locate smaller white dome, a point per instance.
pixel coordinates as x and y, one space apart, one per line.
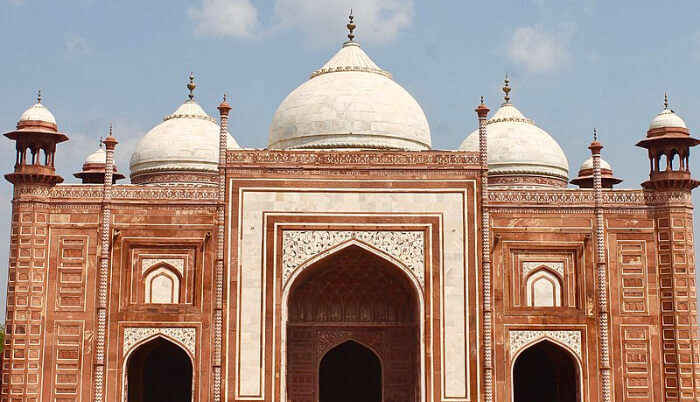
517 147
99 156
38 112
187 140
588 164
667 118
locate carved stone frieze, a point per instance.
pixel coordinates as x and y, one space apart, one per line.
298 246
555 266
368 158
185 336
521 338
565 197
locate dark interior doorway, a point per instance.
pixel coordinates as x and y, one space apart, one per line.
545 372
350 372
159 371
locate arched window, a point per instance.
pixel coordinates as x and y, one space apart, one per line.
543 289
162 286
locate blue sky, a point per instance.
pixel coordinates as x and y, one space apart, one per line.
574 65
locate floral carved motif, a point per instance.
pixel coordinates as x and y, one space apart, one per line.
185 336
298 246
519 339
531 265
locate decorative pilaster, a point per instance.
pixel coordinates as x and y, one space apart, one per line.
103 274
224 109
602 275
482 111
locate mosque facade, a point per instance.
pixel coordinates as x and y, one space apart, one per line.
348 260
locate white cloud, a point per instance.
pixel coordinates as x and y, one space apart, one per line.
378 21
540 50
237 18
76 46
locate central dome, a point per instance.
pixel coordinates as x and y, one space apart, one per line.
350 103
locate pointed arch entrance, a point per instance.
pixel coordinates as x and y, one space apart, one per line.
350 372
159 371
546 372
353 300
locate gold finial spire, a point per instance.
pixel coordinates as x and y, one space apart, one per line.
191 86
351 27
506 89
665 101
595 134
38 97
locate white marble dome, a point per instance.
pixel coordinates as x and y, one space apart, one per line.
588 164
38 112
350 103
187 140
667 118
99 156
516 146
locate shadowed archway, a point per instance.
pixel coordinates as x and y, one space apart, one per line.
350 372
546 372
159 371
353 300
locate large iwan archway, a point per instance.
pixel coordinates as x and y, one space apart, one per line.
546 372
159 371
355 305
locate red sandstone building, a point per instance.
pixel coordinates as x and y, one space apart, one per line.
349 260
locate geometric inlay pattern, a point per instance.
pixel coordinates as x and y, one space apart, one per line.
298 246
555 266
519 339
186 336
178 263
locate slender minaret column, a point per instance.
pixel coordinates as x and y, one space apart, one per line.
482 111
103 274
602 274
224 109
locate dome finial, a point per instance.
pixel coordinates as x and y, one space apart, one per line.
191 86
101 142
38 97
665 101
595 134
482 100
506 89
351 27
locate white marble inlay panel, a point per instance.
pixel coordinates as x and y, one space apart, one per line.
299 246
177 263
186 336
555 266
519 339
450 203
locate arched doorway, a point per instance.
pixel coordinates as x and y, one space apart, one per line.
159 371
353 295
350 372
545 372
